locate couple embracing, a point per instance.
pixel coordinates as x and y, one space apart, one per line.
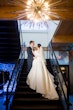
39 78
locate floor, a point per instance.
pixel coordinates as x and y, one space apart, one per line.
2 99
2 102
71 101
6 67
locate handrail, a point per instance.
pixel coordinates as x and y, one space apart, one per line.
59 67
66 84
10 79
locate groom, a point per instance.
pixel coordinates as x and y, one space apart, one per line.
30 55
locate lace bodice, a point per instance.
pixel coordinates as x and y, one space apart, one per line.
36 53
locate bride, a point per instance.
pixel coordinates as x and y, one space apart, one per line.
39 78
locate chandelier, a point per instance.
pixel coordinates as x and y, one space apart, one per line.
37 10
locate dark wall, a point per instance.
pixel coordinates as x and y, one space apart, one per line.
9 41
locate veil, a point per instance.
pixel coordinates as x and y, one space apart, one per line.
42 55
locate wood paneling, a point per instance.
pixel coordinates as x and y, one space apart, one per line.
64 34
63 39
64 9
8 13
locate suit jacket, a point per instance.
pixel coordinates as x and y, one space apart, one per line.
30 58
30 54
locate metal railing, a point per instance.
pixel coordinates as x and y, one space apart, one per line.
62 84
13 79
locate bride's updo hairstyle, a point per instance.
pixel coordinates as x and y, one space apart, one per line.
39 45
34 48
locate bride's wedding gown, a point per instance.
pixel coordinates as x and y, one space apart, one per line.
40 79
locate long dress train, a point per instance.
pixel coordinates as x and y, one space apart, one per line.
40 79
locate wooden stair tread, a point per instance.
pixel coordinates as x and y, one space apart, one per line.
28 99
35 99
28 93
43 107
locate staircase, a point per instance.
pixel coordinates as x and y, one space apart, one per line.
9 41
27 99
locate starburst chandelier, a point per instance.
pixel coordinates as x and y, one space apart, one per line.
37 10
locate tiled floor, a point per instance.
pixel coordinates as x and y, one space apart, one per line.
71 101
2 99
6 67
2 102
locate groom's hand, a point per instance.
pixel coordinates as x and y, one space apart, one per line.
34 57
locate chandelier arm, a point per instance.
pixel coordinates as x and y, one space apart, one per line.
54 15
57 3
34 1
16 3
20 16
58 9
20 11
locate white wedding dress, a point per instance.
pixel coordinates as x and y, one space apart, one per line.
40 79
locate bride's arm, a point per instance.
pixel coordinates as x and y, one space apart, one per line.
34 53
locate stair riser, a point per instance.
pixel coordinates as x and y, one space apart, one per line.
37 103
27 96
22 84
36 108
24 75
9 41
24 89
28 99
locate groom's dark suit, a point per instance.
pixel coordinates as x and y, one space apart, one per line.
30 58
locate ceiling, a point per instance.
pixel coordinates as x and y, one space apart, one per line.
8 8
63 37
64 33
